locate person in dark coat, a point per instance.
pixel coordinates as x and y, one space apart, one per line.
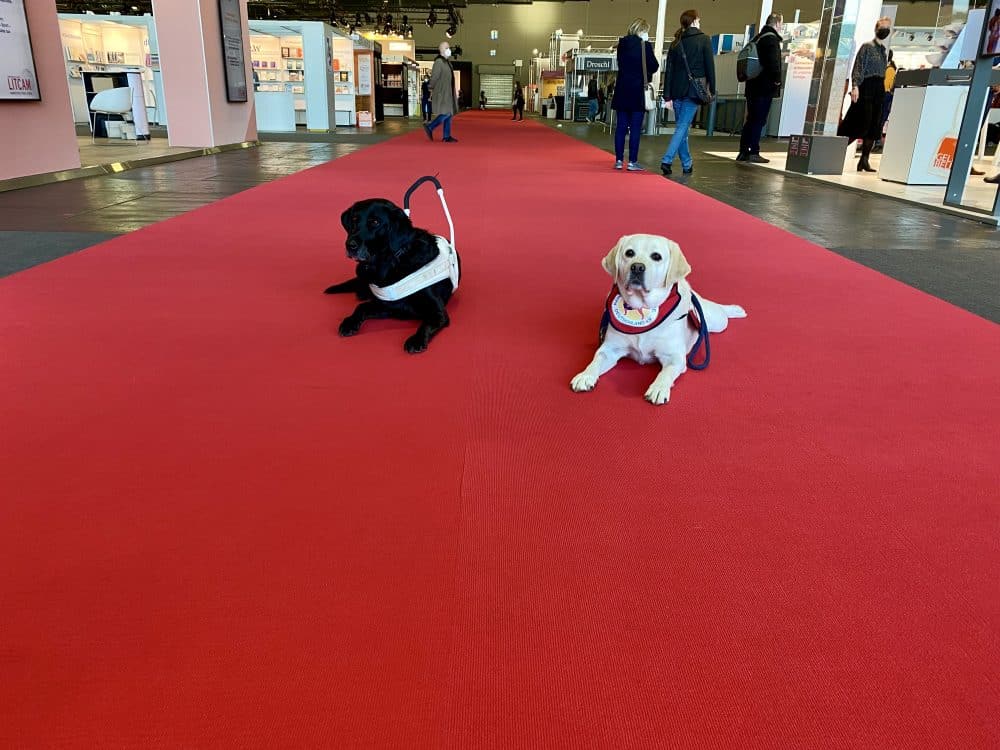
864 118
425 98
517 104
762 90
629 99
690 43
593 105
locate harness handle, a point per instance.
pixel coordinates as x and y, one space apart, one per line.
417 184
444 204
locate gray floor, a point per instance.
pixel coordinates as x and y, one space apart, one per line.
955 259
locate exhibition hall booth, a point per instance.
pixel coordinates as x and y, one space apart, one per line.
939 134
84 93
307 74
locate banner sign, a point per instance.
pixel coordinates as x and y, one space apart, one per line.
233 58
599 64
18 79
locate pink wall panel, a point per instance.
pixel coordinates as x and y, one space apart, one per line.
43 132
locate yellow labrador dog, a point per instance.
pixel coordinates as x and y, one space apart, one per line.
650 315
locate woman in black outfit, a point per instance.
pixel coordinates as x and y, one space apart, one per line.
629 101
864 118
518 104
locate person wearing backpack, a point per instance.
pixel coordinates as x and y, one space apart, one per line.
762 88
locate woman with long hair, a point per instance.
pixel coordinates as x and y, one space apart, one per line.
629 100
690 57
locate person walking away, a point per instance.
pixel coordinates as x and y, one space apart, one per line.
443 96
762 90
690 43
425 98
593 105
602 100
517 105
629 100
482 100
864 118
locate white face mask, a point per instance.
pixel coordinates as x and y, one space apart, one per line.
447 53
644 36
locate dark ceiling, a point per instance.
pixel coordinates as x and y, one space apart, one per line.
299 10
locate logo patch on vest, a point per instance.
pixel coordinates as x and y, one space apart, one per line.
631 320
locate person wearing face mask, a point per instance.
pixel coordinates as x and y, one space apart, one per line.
864 118
762 90
690 57
636 66
443 97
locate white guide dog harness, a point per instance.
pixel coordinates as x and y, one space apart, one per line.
444 266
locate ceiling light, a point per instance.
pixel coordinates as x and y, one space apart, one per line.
452 30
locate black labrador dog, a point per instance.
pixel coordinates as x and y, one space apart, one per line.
387 248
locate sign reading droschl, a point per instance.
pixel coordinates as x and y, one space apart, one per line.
18 79
598 64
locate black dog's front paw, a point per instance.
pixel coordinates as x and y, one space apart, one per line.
349 326
416 344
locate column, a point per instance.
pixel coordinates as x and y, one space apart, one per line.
193 66
40 135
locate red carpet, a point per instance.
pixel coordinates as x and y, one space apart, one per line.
223 526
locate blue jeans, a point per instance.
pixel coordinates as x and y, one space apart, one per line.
446 119
592 106
685 110
630 122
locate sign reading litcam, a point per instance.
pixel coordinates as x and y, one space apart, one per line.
232 50
18 79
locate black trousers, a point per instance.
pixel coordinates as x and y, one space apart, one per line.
518 110
758 108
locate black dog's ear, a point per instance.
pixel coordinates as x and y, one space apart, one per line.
400 229
345 218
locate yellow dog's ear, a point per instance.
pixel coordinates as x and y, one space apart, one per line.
610 261
679 267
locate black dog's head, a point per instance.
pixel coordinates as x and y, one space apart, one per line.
375 227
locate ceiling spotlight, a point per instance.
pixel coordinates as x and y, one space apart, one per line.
432 18
457 51
452 30
535 52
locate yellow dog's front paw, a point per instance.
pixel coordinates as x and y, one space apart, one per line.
583 382
657 394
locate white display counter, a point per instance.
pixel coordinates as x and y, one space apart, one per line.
922 135
275 111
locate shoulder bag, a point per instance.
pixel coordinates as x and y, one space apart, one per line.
700 84
649 100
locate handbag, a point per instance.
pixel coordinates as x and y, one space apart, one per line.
649 100
700 84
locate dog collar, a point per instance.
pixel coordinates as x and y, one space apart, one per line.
444 266
632 320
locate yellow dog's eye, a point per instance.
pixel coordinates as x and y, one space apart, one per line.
630 253
656 257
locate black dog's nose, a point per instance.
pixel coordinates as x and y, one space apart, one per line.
352 244
637 268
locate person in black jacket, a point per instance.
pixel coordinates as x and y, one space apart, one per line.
629 100
592 103
690 43
762 90
517 104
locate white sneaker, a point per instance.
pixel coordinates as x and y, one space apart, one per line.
633 166
618 165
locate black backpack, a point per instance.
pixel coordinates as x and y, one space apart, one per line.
748 64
